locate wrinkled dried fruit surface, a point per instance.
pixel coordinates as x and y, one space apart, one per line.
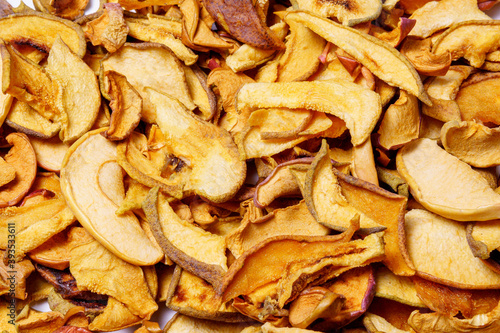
255 166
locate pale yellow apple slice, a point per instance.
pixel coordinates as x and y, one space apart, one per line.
439 251
359 107
472 143
445 185
81 96
397 288
95 206
383 60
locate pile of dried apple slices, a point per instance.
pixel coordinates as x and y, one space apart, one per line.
256 166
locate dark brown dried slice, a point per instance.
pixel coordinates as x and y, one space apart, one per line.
242 20
65 284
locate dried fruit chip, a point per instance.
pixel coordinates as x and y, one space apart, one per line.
81 97
435 16
22 158
360 111
383 61
397 288
109 29
455 265
417 158
349 13
126 104
92 183
49 153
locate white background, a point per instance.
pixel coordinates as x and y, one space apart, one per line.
163 315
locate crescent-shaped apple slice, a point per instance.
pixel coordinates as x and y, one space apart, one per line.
91 184
383 60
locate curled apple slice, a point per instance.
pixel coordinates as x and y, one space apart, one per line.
379 57
91 181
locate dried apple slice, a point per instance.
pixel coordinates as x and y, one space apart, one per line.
455 266
313 303
126 104
292 220
88 165
301 57
435 16
181 323
348 13
383 60
461 40
242 20
164 73
23 159
360 111
376 324
476 98
41 30
483 237
192 296
70 10
201 94
418 52
171 232
436 322
49 153
53 253
217 173
247 57
400 123
397 288
23 118
442 91
7 172
470 199
98 270
109 29
472 143
81 96
453 301
163 30
30 83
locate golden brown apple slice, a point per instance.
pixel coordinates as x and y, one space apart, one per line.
164 73
92 184
301 57
443 90
179 238
23 118
23 159
400 123
292 220
126 104
470 199
360 110
349 13
41 30
383 60
461 40
216 173
70 10
453 301
242 20
7 172
418 52
98 270
192 296
200 92
81 97
436 16
109 29
472 143
476 98
456 266
30 83
483 237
